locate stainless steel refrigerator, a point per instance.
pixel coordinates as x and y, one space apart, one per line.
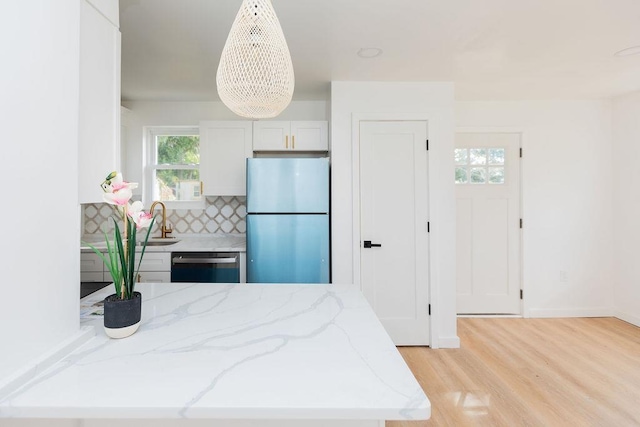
288 220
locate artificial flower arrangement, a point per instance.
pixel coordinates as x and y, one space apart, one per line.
120 257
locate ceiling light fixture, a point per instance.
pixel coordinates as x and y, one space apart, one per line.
369 52
628 51
255 76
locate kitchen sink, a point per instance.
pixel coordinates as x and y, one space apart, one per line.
159 242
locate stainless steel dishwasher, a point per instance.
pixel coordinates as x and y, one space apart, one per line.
206 267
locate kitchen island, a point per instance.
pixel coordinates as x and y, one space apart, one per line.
235 355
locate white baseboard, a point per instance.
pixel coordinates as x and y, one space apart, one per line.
449 342
629 318
492 316
572 312
35 367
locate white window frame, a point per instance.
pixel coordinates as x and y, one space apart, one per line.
151 164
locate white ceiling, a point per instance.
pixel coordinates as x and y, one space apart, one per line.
491 49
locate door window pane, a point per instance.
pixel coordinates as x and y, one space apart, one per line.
478 175
461 175
496 175
461 156
496 156
478 156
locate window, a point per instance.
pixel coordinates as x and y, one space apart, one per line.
479 165
173 167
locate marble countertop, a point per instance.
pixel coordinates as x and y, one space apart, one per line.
233 352
217 242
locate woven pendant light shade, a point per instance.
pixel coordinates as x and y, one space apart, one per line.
255 75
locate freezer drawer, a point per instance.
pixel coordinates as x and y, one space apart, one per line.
293 185
287 248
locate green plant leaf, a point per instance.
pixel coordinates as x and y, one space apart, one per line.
132 257
123 260
114 267
144 246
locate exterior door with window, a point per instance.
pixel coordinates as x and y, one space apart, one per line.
487 176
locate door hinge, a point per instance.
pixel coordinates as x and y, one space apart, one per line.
427 145
429 309
428 227
520 151
521 293
520 222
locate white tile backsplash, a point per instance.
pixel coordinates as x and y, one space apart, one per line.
224 214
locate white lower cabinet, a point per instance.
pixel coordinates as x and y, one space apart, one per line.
92 276
155 267
156 261
154 276
91 268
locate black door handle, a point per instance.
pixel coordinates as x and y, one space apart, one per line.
368 244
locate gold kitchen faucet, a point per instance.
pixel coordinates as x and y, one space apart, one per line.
164 230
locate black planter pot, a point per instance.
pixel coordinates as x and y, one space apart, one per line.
122 317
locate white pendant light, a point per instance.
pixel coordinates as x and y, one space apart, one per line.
255 75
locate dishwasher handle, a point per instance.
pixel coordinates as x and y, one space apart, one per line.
182 260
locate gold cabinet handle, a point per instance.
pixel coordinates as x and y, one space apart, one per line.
201 188
286 141
293 142
139 278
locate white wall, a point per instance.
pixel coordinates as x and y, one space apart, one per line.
434 101
567 203
144 113
40 216
626 202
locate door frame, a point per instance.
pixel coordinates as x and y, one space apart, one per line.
524 306
430 119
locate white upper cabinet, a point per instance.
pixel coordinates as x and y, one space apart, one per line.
99 114
309 136
290 136
224 148
125 131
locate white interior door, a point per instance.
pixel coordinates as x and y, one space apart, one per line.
488 223
394 214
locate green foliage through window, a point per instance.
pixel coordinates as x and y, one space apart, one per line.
178 150
178 183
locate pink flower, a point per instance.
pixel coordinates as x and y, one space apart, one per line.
119 198
117 191
140 218
114 182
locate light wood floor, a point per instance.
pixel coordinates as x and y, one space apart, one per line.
532 372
